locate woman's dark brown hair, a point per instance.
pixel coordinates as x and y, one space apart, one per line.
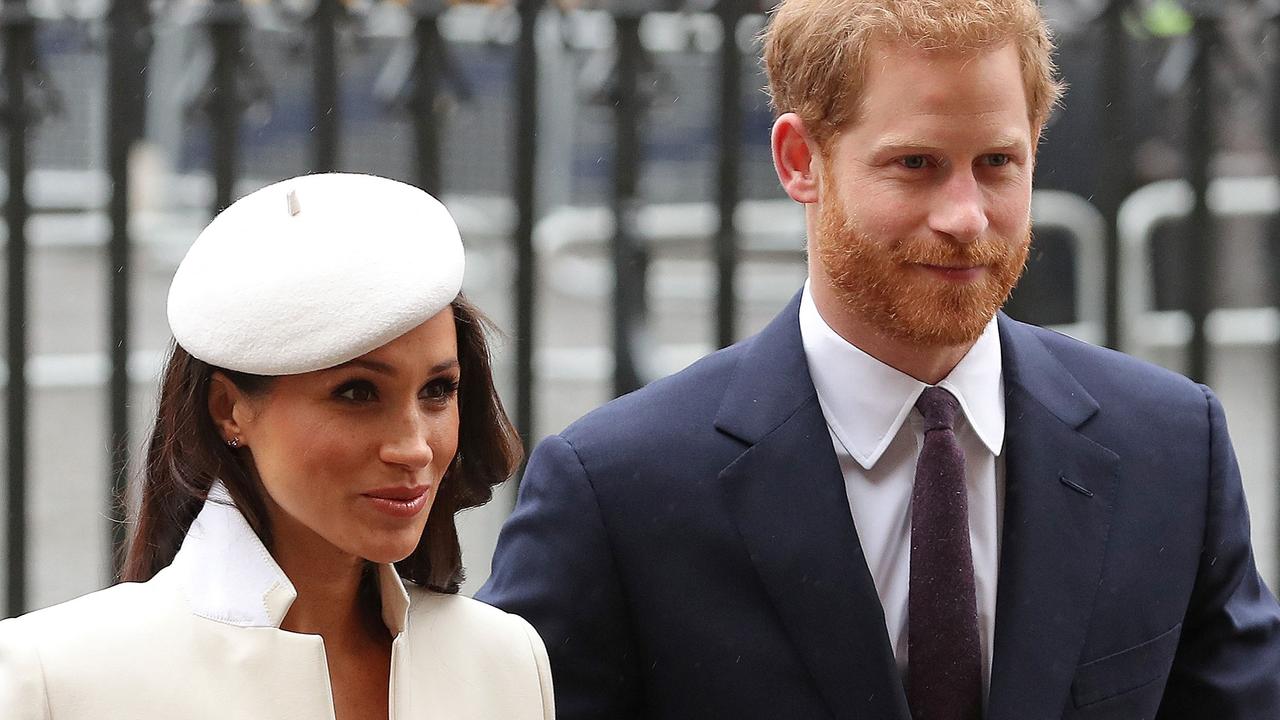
186 454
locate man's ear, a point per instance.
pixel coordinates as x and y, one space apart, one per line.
795 158
227 407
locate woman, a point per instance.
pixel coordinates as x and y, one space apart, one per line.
327 408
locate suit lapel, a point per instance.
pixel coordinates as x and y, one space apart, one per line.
786 496
1060 492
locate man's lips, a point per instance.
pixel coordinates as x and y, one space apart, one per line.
955 273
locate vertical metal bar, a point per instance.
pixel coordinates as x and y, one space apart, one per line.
628 257
1116 171
526 146
226 20
1200 267
728 192
1274 255
17 28
325 95
426 79
127 52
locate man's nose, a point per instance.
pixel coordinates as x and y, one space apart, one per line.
408 440
959 211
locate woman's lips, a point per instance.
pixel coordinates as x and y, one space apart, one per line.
401 502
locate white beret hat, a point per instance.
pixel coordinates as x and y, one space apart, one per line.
311 272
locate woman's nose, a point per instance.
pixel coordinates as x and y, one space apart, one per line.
407 442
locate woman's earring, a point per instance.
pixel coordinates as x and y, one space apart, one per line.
233 443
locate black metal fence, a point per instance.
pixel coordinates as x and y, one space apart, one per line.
1091 149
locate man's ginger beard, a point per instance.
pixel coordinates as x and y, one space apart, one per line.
873 280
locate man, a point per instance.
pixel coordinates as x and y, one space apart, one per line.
892 503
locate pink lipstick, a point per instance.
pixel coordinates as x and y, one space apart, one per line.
402 502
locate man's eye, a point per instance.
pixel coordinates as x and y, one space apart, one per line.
359 391
998 160
915 162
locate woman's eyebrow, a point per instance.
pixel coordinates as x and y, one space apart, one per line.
388 369
374 365
449 364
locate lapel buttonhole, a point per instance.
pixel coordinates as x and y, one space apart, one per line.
1062 478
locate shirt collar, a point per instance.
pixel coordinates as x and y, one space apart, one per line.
231 578
866 401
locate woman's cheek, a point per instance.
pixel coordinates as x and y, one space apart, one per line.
331 442
448 433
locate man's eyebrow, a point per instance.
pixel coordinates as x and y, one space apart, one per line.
1009 141
909 145
895 142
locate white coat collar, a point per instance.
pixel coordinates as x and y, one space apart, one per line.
231 578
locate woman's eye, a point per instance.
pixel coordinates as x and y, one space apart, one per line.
440 389
914 162
359 391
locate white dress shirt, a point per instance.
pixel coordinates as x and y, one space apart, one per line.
876 431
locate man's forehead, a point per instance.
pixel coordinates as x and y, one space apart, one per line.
984 88
888 50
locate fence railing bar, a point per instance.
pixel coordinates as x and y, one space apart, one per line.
1115 181
728 190
17 30
226 22
86 370
1164 201
324 87
1200 265
1273 254
629 258
526 160
128 26
428 54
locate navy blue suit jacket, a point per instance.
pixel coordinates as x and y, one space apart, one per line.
687 551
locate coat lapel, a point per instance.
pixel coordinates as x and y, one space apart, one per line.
786 496
1060 492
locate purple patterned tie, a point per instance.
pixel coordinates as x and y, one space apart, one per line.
944 657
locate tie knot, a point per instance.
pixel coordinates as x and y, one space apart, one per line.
939 407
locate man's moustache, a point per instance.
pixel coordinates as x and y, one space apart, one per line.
975 254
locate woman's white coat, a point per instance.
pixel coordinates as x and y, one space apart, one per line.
202 640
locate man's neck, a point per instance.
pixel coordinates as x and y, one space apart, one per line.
926 364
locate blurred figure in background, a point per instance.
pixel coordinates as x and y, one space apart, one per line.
326 411
895 502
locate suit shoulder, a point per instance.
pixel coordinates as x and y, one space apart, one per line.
1115 375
